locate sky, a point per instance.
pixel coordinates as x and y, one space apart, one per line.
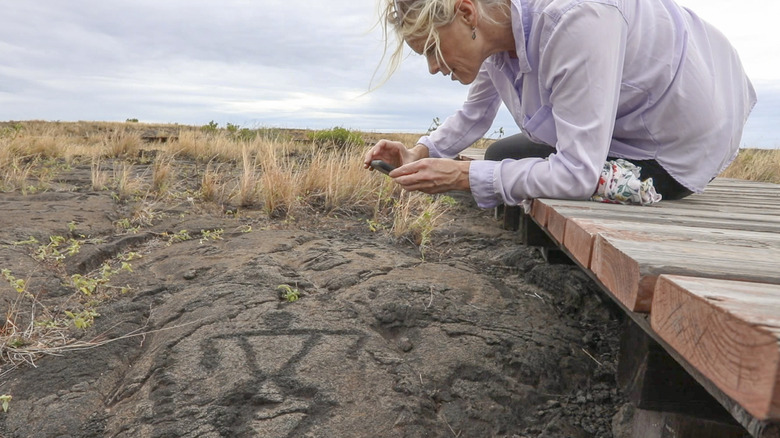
273 63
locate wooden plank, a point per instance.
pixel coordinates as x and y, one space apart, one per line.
702 217
629 268
579 238
683 207
540 212
580 235
743 183
729 331
556 225
472 153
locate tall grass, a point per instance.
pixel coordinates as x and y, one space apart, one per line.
755 165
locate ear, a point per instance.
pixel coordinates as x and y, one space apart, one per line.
467 11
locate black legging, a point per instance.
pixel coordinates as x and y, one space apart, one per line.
519 146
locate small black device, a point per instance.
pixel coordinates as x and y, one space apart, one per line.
382 166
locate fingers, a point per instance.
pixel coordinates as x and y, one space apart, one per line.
433 175
385 150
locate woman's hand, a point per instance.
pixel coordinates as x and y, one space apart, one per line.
394 153
433 175
415 171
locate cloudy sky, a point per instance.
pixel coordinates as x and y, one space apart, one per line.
271 63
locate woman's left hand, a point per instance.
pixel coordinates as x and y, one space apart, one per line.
433 175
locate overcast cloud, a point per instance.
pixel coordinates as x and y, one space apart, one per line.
270 63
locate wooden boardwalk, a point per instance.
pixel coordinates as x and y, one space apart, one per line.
700 275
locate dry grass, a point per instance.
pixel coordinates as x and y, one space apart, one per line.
279 173
755 165
163 174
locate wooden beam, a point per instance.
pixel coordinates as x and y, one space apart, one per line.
556 225
629 265
655 381
652 424
729 331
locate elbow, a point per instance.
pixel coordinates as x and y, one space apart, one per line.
582 186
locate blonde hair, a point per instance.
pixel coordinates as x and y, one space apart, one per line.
417 19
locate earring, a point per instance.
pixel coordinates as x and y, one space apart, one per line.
473 32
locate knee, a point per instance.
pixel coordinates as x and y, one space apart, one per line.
517 147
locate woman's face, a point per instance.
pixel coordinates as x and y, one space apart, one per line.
461 54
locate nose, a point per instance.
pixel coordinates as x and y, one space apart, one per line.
433 65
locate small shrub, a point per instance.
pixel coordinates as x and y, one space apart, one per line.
210 127
337 136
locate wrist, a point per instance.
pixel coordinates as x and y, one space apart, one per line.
464 183
420 151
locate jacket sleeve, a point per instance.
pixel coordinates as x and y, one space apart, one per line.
469 124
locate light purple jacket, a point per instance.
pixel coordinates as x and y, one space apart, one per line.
637 79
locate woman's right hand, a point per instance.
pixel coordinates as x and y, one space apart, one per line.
394 153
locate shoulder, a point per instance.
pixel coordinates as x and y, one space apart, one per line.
555 10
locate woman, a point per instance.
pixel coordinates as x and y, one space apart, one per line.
586 80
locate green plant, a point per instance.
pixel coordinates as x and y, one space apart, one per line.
83 319
434 125
246 134
17 283
5 399
131 120
231 128
51 251
85 284
289 293
338 136
210 128
447 201
498 132
374 226
181 236
11 131
206 235
31 241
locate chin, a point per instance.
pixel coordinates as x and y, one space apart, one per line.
465 81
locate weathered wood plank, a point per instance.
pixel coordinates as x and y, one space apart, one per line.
630 268
579 238
729 331
556 225
472 153
677 215
580 235
540 212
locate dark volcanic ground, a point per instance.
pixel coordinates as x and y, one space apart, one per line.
482 338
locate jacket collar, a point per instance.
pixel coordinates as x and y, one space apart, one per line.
521 27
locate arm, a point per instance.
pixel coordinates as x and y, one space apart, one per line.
468 124
581 65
